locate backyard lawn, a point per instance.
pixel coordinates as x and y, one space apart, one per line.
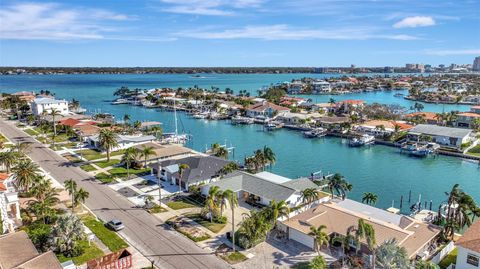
90 252
108 237
212 226
104 164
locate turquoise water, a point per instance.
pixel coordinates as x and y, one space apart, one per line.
378 169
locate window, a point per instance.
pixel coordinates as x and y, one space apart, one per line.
473 259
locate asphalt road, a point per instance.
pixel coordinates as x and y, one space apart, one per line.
153 239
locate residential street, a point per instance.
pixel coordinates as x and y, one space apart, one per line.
156 241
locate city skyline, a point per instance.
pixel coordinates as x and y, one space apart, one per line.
238 33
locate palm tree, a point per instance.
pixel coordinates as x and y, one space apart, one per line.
233 201
391 256
145 152
26 173
129 156
269 155
54 112
181 169
309 195
148 200
366 231
21 147
426 265
338 184
278 210
321 237
259 159
65 234
229 168
221 152
126 119
80 196
211 201
45 199
8 159
369 198
71 186
108 141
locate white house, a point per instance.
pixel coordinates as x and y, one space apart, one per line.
264 109
9 204
124 141
446 136
39 105
468 246
295 87
321 87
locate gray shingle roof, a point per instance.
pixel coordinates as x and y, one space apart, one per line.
201 167
440 131
300 184
255 185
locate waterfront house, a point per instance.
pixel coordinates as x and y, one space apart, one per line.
296 87
291 118
264 109
25 96
340 216
468 256
39 105
346 106
262 188
333 123
475 109
17 251
86 130
291 101
429 117
321 86
381 128
163 152
201 170
10 218
124 141
466 119
445 136
472 99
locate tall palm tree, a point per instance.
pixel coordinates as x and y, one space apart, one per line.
338 184
369 198
233 202
391 256
129 156
71 186
321 237
145 152
54 112
229 168
269 155
259 159
367 232
26 173
81 196
309 195
107 140
43 205
181 169
8 159
21 147
211 201
126 119
278 210
221 152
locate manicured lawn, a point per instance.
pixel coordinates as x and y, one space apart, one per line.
91 154
30 132
71 158
451 258
212 226
122 171
156 209
104 164
108 237
104 178
234 257
91 252
176 205
475 151
88 167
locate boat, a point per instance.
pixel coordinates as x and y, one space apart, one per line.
272 125
314 133
420 150
200 115
241 120
121 101
363 140
398 95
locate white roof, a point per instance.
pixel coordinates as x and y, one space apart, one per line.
272 177
45 100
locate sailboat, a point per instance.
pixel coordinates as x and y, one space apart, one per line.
176 138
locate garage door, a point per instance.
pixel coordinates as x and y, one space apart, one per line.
301 238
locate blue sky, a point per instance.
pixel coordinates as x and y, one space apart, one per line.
238 32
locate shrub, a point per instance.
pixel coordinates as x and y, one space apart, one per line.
220 219
39 234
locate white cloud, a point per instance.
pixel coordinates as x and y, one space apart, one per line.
49 21
208 7
453 52
285 32
415 21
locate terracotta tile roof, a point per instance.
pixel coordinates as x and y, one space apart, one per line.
387 124
469 114
107 260
426 115
4 176
69 122
2 187
351 102
263 106
471 238
87 129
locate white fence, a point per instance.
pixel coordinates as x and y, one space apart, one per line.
444 252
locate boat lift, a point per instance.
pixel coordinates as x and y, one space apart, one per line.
231 149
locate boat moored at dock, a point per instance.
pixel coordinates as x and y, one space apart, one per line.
363 140
314 133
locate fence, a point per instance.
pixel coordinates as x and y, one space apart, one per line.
444 252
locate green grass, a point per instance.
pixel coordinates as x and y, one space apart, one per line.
31 132
104 178
301 265
234 257
475 151
3 138
72 158
194 239
104 164
451 258
91 252
91 154
176 205
157 209
122 171
212 226
88 167
108 237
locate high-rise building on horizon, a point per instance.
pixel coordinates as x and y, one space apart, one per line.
476 64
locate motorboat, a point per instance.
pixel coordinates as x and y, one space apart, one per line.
363 140
314 133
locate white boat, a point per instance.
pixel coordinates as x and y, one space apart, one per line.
314 133
121 101
241 120
200 115
272 125
361 141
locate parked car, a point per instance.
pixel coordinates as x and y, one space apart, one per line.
115 225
